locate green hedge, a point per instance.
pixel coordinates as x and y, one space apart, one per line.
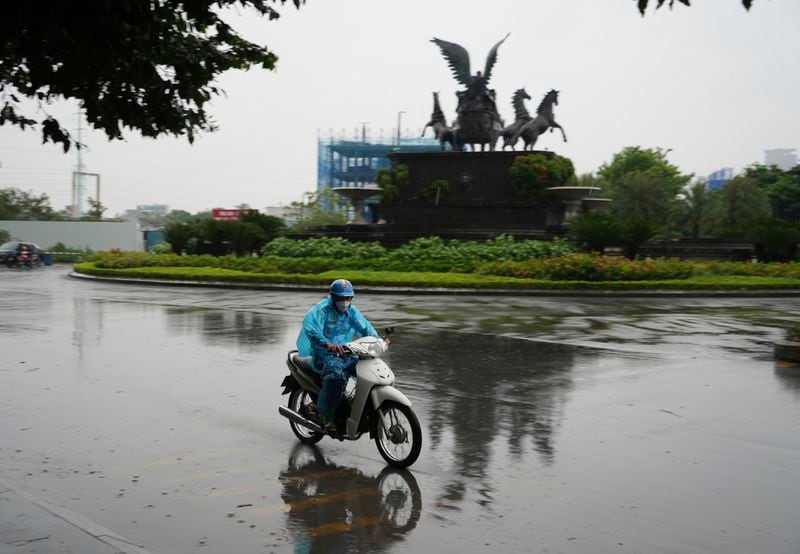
773 269
439 280
572 267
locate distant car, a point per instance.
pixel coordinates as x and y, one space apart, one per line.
22 254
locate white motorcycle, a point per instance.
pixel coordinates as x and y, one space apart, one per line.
370 404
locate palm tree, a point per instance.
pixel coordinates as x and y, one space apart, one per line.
694 207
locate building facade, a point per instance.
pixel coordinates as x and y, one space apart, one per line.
784 158
718 179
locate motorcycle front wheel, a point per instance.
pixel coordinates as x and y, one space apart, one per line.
299 400
399 443
400 499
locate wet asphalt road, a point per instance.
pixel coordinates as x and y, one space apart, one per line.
550 424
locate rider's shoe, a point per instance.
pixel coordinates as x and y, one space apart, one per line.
309 411
329 424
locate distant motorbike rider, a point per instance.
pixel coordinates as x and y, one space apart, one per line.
327 326
23 255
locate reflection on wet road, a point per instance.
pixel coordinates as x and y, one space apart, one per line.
333 508
550 424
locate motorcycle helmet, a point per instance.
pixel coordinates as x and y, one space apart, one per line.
342 287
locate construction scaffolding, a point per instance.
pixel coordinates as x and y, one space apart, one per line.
343 162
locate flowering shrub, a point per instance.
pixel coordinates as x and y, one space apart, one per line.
123 260
498 258
592 267
772 269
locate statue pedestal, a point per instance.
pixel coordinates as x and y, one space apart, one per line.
479 191
478 202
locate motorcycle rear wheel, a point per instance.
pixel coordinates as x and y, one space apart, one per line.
402 445
298 400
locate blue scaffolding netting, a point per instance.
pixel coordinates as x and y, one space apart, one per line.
355 163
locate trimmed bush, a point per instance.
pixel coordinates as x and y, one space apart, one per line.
532 174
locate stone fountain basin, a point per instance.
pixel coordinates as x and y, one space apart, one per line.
572 194
357 194
594 202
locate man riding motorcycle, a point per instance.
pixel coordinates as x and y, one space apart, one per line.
327 326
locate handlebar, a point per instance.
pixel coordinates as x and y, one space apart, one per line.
344 349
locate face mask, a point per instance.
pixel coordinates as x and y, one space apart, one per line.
342 305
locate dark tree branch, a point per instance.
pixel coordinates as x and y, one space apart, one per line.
145 66
642 4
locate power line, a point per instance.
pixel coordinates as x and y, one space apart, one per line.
27 168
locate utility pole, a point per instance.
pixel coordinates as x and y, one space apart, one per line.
364 131
77 175
399 123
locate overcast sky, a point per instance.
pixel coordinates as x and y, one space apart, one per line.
714 83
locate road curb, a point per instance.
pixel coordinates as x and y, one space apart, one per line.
40 519
372 289
787 351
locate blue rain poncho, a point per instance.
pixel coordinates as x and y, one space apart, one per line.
323 323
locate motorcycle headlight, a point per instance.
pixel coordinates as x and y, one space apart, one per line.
370 347
375 349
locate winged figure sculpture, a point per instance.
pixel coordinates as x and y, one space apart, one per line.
458 59
478 119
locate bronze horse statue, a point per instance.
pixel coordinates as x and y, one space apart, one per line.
478 122
521 117
443 133
543 121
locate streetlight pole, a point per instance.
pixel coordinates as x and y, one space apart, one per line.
399 123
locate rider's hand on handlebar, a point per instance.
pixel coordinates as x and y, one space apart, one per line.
335 348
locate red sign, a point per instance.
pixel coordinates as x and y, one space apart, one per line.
221 213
